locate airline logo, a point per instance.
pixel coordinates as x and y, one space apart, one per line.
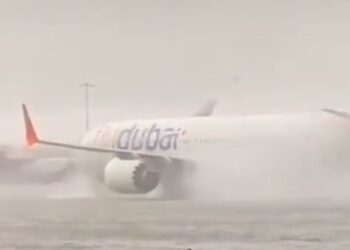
150 138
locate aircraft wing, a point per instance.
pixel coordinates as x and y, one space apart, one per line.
334 112
32 139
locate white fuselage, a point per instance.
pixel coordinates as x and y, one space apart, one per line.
185 137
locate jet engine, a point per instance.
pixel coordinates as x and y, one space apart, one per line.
130 176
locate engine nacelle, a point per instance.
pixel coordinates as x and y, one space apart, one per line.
130 176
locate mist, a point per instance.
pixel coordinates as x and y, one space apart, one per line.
309 164
165 58
286 187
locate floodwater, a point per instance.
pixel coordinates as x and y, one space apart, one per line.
154 224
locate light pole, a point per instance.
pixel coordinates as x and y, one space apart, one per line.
86 87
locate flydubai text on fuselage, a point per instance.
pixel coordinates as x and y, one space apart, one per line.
138 137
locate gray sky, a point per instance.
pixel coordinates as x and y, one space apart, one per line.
164 58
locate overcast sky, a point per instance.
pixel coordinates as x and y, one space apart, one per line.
164 58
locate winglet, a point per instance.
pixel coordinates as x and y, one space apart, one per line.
206 109
31 136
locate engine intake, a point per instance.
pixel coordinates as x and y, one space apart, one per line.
130 176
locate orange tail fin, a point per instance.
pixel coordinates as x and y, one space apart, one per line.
31 136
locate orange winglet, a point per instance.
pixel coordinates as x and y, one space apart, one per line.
31 136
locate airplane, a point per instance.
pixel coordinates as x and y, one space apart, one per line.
137 156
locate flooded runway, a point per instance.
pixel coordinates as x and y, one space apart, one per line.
151 224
